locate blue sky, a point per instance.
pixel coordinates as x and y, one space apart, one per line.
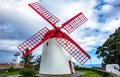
18 22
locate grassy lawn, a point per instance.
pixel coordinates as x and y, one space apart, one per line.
90 74
13 73
10 73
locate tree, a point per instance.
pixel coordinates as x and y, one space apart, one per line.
27 60
37 61
29 70
110 50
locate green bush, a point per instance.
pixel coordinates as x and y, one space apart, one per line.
27 72
11 69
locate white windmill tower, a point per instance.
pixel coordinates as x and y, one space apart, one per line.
58 48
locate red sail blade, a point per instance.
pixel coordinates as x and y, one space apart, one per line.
48 16
34 41
73 49
74 22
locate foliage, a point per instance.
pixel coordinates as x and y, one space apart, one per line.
27 72
11 69
110 50
9 73
76 66
37 61
28 59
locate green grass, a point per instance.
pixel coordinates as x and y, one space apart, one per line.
10 73
90 74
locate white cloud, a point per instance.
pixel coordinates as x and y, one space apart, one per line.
110 26
107 8
112 1
20 14
9 45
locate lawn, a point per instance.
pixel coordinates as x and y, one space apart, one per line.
90 74
10 73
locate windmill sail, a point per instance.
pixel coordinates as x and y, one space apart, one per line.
73 49
48 16
74 22
34 41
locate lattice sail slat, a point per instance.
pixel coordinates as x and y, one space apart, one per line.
73 50
48 16
74 22
33 41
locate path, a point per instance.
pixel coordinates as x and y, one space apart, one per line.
2 76
78 73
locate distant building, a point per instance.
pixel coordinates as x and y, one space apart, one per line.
16 59
113 68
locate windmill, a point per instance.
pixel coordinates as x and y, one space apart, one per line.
58 46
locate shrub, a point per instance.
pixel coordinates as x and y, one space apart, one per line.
11 69
27 72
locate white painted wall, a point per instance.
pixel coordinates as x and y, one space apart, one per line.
16 59
114 68
55 60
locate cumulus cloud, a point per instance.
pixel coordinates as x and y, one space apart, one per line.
107 8
20 15
9 45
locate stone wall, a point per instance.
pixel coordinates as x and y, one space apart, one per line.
4 66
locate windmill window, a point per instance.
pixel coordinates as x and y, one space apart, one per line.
47 44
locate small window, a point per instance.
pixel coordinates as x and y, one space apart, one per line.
47 44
